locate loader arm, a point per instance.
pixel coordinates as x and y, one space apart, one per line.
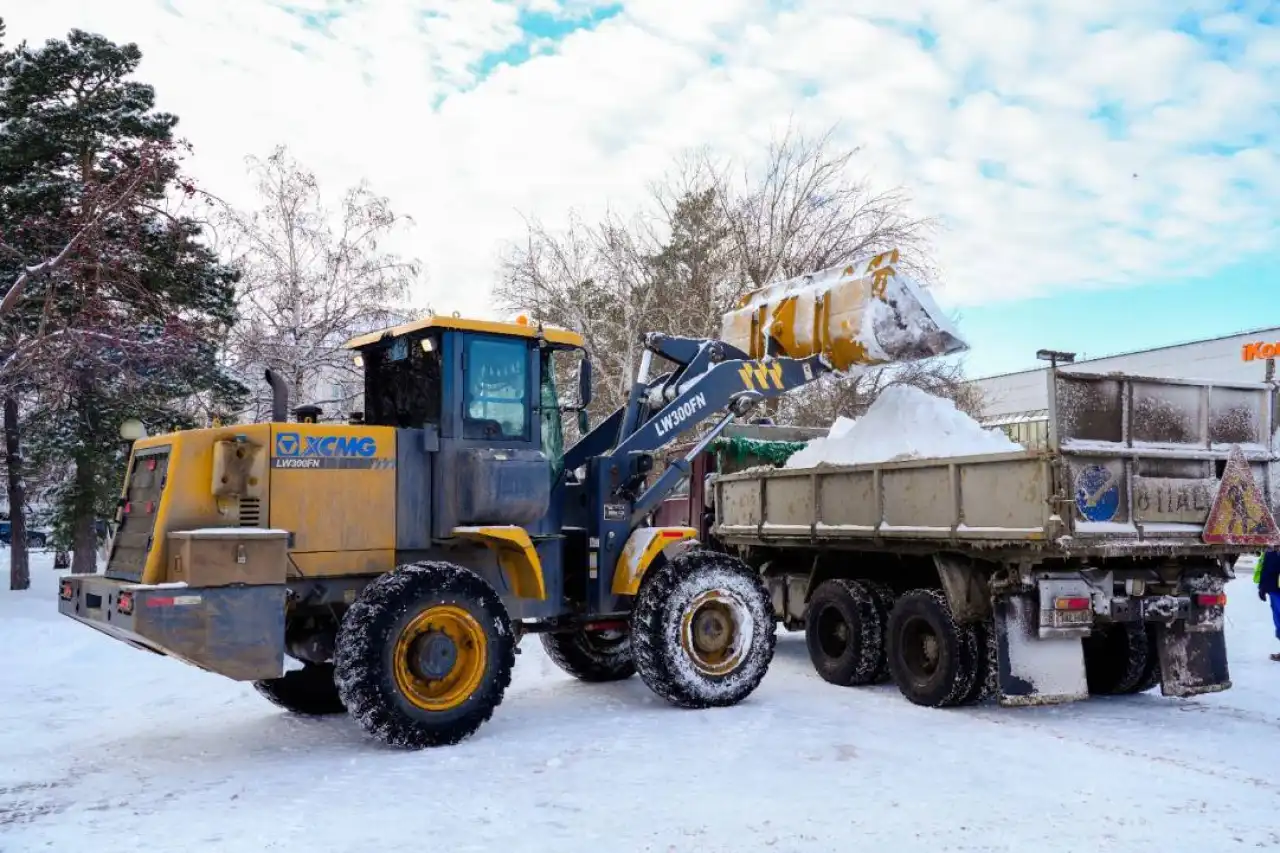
780 338
717 381
728 389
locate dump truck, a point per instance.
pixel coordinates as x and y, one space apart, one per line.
389 565
1092 565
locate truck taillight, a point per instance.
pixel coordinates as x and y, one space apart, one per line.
1219 600
125 603
1071 603
64 591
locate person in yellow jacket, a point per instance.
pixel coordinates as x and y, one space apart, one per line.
1267 576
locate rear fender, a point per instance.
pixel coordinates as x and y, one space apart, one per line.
516 555
965 586
1192 662
1035 670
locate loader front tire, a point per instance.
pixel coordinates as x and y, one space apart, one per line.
703 630
424 655
592 656
310 690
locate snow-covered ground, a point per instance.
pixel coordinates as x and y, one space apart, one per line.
106 748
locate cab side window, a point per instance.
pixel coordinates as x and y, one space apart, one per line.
496 404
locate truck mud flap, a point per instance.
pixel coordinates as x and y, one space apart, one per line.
1031 670
1191 662
234 631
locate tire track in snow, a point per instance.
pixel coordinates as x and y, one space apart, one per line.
1217 772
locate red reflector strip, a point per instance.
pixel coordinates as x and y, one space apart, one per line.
1219 600
128 507
671 534
1071 604
65 591
160 602
151 464
151 505
606 626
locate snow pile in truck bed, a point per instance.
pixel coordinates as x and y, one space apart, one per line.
903 423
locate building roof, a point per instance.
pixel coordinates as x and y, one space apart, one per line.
1177 345
526 329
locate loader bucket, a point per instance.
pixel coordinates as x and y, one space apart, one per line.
862 314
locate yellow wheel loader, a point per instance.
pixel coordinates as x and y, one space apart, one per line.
388 566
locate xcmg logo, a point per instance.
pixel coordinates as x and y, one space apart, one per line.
325 446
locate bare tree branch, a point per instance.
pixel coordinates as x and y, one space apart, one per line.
311 278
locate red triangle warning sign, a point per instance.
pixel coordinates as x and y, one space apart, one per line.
1240 514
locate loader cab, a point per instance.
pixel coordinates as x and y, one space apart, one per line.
403 381
474 381
480 413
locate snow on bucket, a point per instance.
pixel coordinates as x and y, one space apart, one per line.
858 315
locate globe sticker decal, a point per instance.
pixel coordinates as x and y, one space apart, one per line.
1097 493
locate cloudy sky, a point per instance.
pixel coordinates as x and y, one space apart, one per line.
1107 172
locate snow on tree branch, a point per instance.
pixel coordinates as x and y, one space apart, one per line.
100 204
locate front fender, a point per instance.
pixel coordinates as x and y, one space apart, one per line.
644 545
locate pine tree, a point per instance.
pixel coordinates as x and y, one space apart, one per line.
130 325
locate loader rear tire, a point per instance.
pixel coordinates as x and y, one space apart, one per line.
933 658
424 655
310 690
592 656
703 630
844 631
1117 658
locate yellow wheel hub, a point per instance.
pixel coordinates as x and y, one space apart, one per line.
712 635
440 657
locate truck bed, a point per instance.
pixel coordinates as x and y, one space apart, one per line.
1132 465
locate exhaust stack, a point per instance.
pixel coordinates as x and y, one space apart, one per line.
862 314
279 397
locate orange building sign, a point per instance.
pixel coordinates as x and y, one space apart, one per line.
1259 350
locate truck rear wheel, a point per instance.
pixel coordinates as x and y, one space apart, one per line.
594 656
310 690
703 630
933 658
885 598
424 655
844 630
1117 658
1152 676
986 666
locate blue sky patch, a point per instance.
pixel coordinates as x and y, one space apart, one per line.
541 27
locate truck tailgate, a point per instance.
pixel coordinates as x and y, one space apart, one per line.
1143 458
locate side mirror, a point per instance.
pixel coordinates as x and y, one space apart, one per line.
584 425
584 382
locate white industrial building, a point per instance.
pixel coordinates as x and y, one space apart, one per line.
1018 402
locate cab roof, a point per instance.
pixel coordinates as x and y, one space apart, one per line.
521 328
